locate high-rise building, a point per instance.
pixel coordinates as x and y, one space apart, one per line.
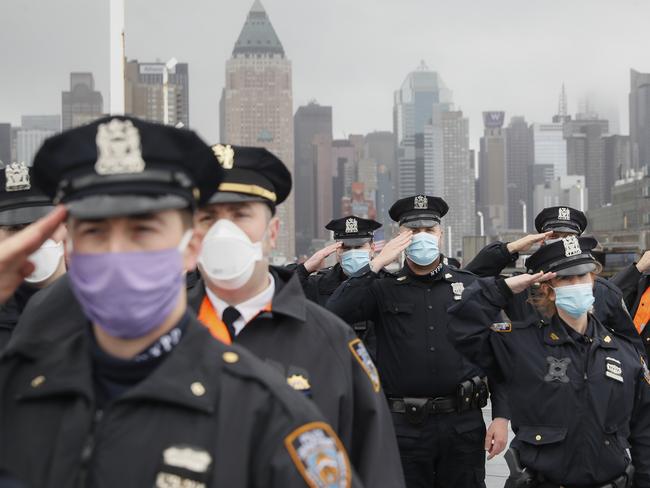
492 174
549 147
567 191
145 92
457 177
380 146
82 104
256 107
313 173
618 164
519 160
5 145
28 142
422 92
586 156
640 119
343 160
41 122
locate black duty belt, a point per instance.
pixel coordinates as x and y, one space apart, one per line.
418 409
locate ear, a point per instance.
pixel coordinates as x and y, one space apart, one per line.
273 232
192 251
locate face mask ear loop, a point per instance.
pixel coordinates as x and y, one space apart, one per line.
185 240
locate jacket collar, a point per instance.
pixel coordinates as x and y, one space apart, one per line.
556 333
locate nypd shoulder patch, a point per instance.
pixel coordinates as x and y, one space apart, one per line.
319 456
362 355
501 327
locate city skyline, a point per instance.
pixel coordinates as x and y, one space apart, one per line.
356 74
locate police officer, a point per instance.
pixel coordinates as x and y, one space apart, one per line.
21 204
109 370
434 393
264 309
579 393
634 282
554 223
354 248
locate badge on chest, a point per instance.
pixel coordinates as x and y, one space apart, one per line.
557 369
457 289
613 369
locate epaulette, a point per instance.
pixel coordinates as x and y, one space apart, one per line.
324 271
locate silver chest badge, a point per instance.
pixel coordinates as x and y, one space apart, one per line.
458 289
351 226
17 177
571 246
119 148
421 202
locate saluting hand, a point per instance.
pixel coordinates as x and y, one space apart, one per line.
521 282
391 250
525 243
317 260
15 251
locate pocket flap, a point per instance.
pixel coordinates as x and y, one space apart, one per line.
541 435
398 307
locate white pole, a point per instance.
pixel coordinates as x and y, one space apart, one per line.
165 95
482 222
449 250
523 206
116 30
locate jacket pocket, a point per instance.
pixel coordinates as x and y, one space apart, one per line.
539 447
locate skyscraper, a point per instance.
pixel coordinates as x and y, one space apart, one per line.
28 142
5 144
256 107
586 156
313 173
41 122
422 92
145 92
82 104
519 160
492 174
549 147
380 146
640 119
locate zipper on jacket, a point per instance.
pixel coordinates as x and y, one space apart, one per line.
88 449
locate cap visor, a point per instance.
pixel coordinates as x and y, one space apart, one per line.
421 223
24 215
577 270
561 228
104 206
231 197
355 241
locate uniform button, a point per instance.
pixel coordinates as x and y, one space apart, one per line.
538 437
430 307
432 349
431 327
607 443
647 339
230 357
197 389
38 381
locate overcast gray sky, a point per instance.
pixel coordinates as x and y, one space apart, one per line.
510 55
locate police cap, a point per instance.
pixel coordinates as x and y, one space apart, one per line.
21 202
353 230
566 257
561 219
418 211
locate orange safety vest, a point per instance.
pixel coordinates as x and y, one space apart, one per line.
642 315
208 317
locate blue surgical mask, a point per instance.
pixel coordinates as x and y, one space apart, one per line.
575 300
423 249
353 260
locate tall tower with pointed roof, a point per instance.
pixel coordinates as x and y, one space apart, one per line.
256 107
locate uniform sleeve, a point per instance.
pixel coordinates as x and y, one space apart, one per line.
477 330
618 318
491 260
355 300
628 280
374 452
640 431
308 281
499 397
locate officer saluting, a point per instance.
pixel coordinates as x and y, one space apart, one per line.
244 300
21 203
579 394
555 223
109 370
434 393
354 248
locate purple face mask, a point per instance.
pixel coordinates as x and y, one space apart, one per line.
127 294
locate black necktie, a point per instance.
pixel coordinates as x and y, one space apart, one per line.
230 314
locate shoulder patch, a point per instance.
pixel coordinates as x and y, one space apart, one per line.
361 354
319 456
501 327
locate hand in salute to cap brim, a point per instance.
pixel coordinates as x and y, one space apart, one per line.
392 250
317 260
521 282
526 242
15 251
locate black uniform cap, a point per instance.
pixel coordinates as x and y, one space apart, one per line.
418 211
125 166
253 174
21 202
566 257
561 219
353 230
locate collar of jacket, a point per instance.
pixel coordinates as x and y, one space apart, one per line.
289 298
406 275
556 334
64 368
